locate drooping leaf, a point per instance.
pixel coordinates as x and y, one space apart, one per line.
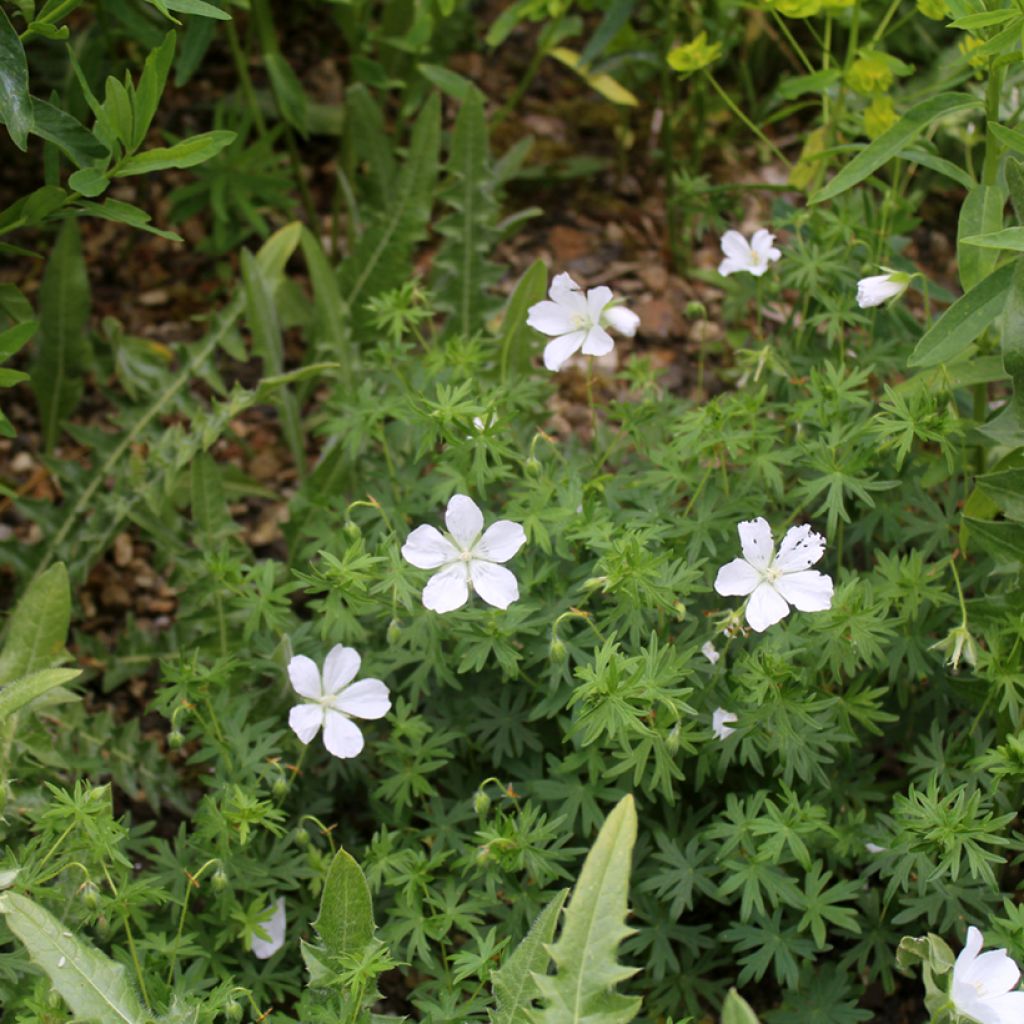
513 984
186 153
64 302
38 626
345 923
15 102
964 321
889 144
582 990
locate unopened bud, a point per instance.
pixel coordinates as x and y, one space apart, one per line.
233 1010
394 631
279 789
481 802
696 310
90 895
557 649
352 530
219 881
175 739
301 838
680 610
532 465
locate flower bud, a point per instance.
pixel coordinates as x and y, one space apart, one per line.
352 530
680 610
958 645
672 740
279 789
54 1000
481 802
394 631
175 739
219 881
557 649
301 838
90 895
233 1010
533 465
696 310
594 582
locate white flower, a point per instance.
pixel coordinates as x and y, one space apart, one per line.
720 720
985 987
577 322
776 581
273 923
754 256
709 652
873 291
334 700
874 848
465 558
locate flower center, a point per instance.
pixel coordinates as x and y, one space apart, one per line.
771 574
580 320
465 556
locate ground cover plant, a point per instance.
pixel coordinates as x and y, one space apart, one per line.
512 512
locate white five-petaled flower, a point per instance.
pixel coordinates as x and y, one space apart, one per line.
334 700
273 923
873 291
773 580
720 723
754 256
464 558
984 986
576 321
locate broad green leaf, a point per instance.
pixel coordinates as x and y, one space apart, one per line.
582 991
601 83
1008 238
15 337
1008 425
120 111
940 165
64 303
345 923
981 213
124 213
187 153
616 17
736 1010
513 983
800 85
1015 183
451 83
273 255
151 87
1001 539
89 181
288 91
964 321
17 694
1011 138
329 315
518 340
983 19
38 626
209 504
79 144
15 102
898 137
95 988
33 208
199 7
1006 490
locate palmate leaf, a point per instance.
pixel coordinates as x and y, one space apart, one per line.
95 988
381 258
582 991
470 230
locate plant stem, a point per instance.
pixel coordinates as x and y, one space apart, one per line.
727 100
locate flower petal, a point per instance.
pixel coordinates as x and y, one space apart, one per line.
809 591
737 578
494 583
340 667
598 342
565 291
550 318
447 590
730 266
274 925
996 971
623 320
305 720
341 735
720 720
558 350
369 698
597 299
427 548
736 247
501 540
1007 1009
304 676
756 542
464 520
765 607
972 947
762 244
800 549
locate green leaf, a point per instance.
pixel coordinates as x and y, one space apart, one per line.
288 91
124 213
95 988
451 83
1008 425
964 321
517 340
329 314
345 923
64 303
582 991
15 337
736 1010
15 102
17 694
982 212
67 133
151 87
187 153
209 504
367 138
1006 489
1015 183
1011 138
38 626
1002 539
89 181
120 111
888 145
198 7
513 983
1008 238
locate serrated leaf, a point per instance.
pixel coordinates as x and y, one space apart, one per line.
95 988
209 504
582 991
15 695
345 923
964 321
513 984
15 102
889 144
186 153
38 626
